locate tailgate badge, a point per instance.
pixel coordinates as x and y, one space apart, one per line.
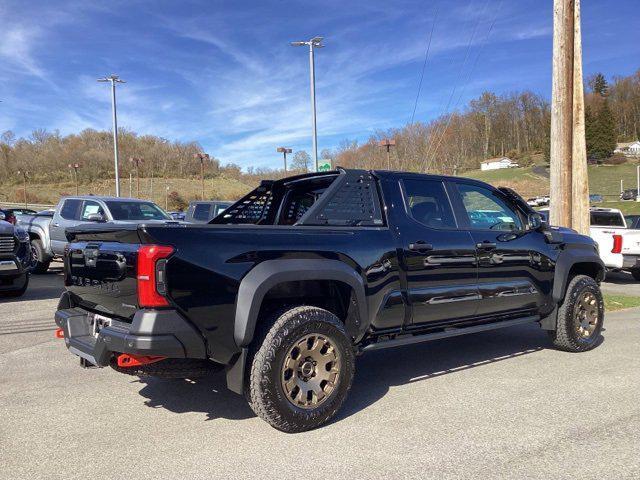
90 257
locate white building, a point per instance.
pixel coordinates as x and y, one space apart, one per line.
498 163
631 149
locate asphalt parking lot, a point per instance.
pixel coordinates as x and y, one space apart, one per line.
495 405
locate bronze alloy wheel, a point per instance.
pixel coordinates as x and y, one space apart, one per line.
310 371
586 315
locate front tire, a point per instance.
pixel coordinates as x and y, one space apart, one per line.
580 317
302 369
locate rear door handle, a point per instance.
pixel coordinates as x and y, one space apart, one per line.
486 245
56 224
420 246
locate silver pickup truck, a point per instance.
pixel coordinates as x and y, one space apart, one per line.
47 230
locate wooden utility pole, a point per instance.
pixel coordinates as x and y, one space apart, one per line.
569 180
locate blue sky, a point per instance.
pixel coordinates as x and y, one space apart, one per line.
223 73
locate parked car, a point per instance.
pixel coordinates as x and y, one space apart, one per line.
177 215
205 211
47 229
539 201
8 216
629 194
292 281
22 211
619 243
596 198
15 259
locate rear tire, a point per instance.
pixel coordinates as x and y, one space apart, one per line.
302 369
636 274
41 260
580 317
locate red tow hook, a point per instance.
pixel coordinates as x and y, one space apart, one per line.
59 333
131 360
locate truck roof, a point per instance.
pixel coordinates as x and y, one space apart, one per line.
105 198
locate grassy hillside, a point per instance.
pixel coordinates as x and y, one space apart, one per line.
219 188
532 181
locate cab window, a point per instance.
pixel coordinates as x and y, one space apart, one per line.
89 208
69 210
428 203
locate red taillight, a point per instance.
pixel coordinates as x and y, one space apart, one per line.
151 275
617 244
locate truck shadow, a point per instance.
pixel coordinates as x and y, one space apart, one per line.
376 372
42 286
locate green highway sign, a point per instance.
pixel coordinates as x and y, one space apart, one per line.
324 165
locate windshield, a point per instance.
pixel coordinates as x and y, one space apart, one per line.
136 211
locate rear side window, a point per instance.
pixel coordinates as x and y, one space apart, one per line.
428 203
201 211
607 219
71 209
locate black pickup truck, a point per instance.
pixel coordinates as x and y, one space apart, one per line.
15 259
302 274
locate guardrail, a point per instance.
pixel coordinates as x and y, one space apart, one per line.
33 206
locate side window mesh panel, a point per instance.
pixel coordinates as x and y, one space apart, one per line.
356 202
252 208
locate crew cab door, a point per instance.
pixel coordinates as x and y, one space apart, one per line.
439 259
515 267
65 216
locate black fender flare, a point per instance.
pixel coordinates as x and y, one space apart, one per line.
255 285
565 262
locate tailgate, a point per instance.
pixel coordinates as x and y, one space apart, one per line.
101 277
631 242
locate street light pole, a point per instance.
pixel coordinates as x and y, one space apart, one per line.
24 177
75 167
202 157
113 78
284 151
136 161
388 144
315 42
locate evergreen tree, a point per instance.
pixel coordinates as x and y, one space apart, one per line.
599 84
600 130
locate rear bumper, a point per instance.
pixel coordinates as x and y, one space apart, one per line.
152 332
13 272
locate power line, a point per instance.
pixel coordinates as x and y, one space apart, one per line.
464 64
426 57
464 87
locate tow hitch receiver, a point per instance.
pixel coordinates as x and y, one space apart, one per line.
131 360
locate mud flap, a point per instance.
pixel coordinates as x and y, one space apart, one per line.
235 373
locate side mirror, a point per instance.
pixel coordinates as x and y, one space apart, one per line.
2 217
95 217
535 221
